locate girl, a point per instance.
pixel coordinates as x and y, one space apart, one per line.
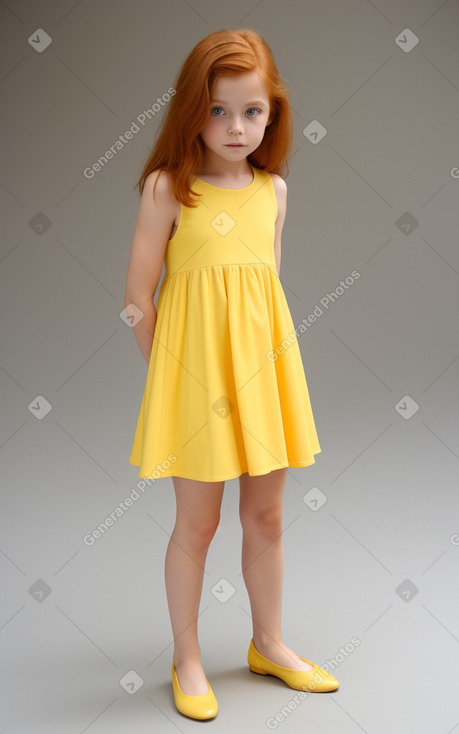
225 394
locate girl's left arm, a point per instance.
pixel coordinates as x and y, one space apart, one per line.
280 187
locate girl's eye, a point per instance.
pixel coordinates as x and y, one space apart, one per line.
254 109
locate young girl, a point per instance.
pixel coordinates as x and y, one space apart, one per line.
225 394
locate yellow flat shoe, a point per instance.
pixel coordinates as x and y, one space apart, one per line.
317 680
204 706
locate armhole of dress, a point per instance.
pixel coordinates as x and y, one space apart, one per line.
178 225
274 197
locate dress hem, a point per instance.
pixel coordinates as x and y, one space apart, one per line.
292 465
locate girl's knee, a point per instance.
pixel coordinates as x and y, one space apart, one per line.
198 532
267 521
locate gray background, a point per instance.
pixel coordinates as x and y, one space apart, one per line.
378 561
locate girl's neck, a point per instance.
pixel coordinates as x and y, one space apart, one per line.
219 171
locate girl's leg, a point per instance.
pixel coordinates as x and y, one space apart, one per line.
260 512
198 516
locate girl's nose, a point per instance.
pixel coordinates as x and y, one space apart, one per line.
236 126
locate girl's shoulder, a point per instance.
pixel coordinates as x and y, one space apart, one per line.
280 190
279 184
159 197
161 183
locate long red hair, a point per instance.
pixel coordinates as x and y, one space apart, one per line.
179 148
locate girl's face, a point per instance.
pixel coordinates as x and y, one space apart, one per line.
239 112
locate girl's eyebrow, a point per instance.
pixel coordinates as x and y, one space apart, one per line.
221 101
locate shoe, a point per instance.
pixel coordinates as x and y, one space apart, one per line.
204 706
317 680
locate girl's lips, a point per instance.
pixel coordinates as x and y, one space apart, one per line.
234 145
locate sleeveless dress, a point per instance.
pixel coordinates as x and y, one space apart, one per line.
225 390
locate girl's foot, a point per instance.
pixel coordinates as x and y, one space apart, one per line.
280 654
191 677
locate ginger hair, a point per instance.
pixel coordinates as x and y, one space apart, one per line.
179 148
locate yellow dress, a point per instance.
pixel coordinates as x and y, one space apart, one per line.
225 391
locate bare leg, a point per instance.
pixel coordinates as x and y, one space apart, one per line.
261 512
198 516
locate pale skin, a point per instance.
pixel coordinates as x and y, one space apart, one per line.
234 117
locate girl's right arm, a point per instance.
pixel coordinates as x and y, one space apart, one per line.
152 231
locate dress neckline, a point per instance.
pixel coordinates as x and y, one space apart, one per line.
223 188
